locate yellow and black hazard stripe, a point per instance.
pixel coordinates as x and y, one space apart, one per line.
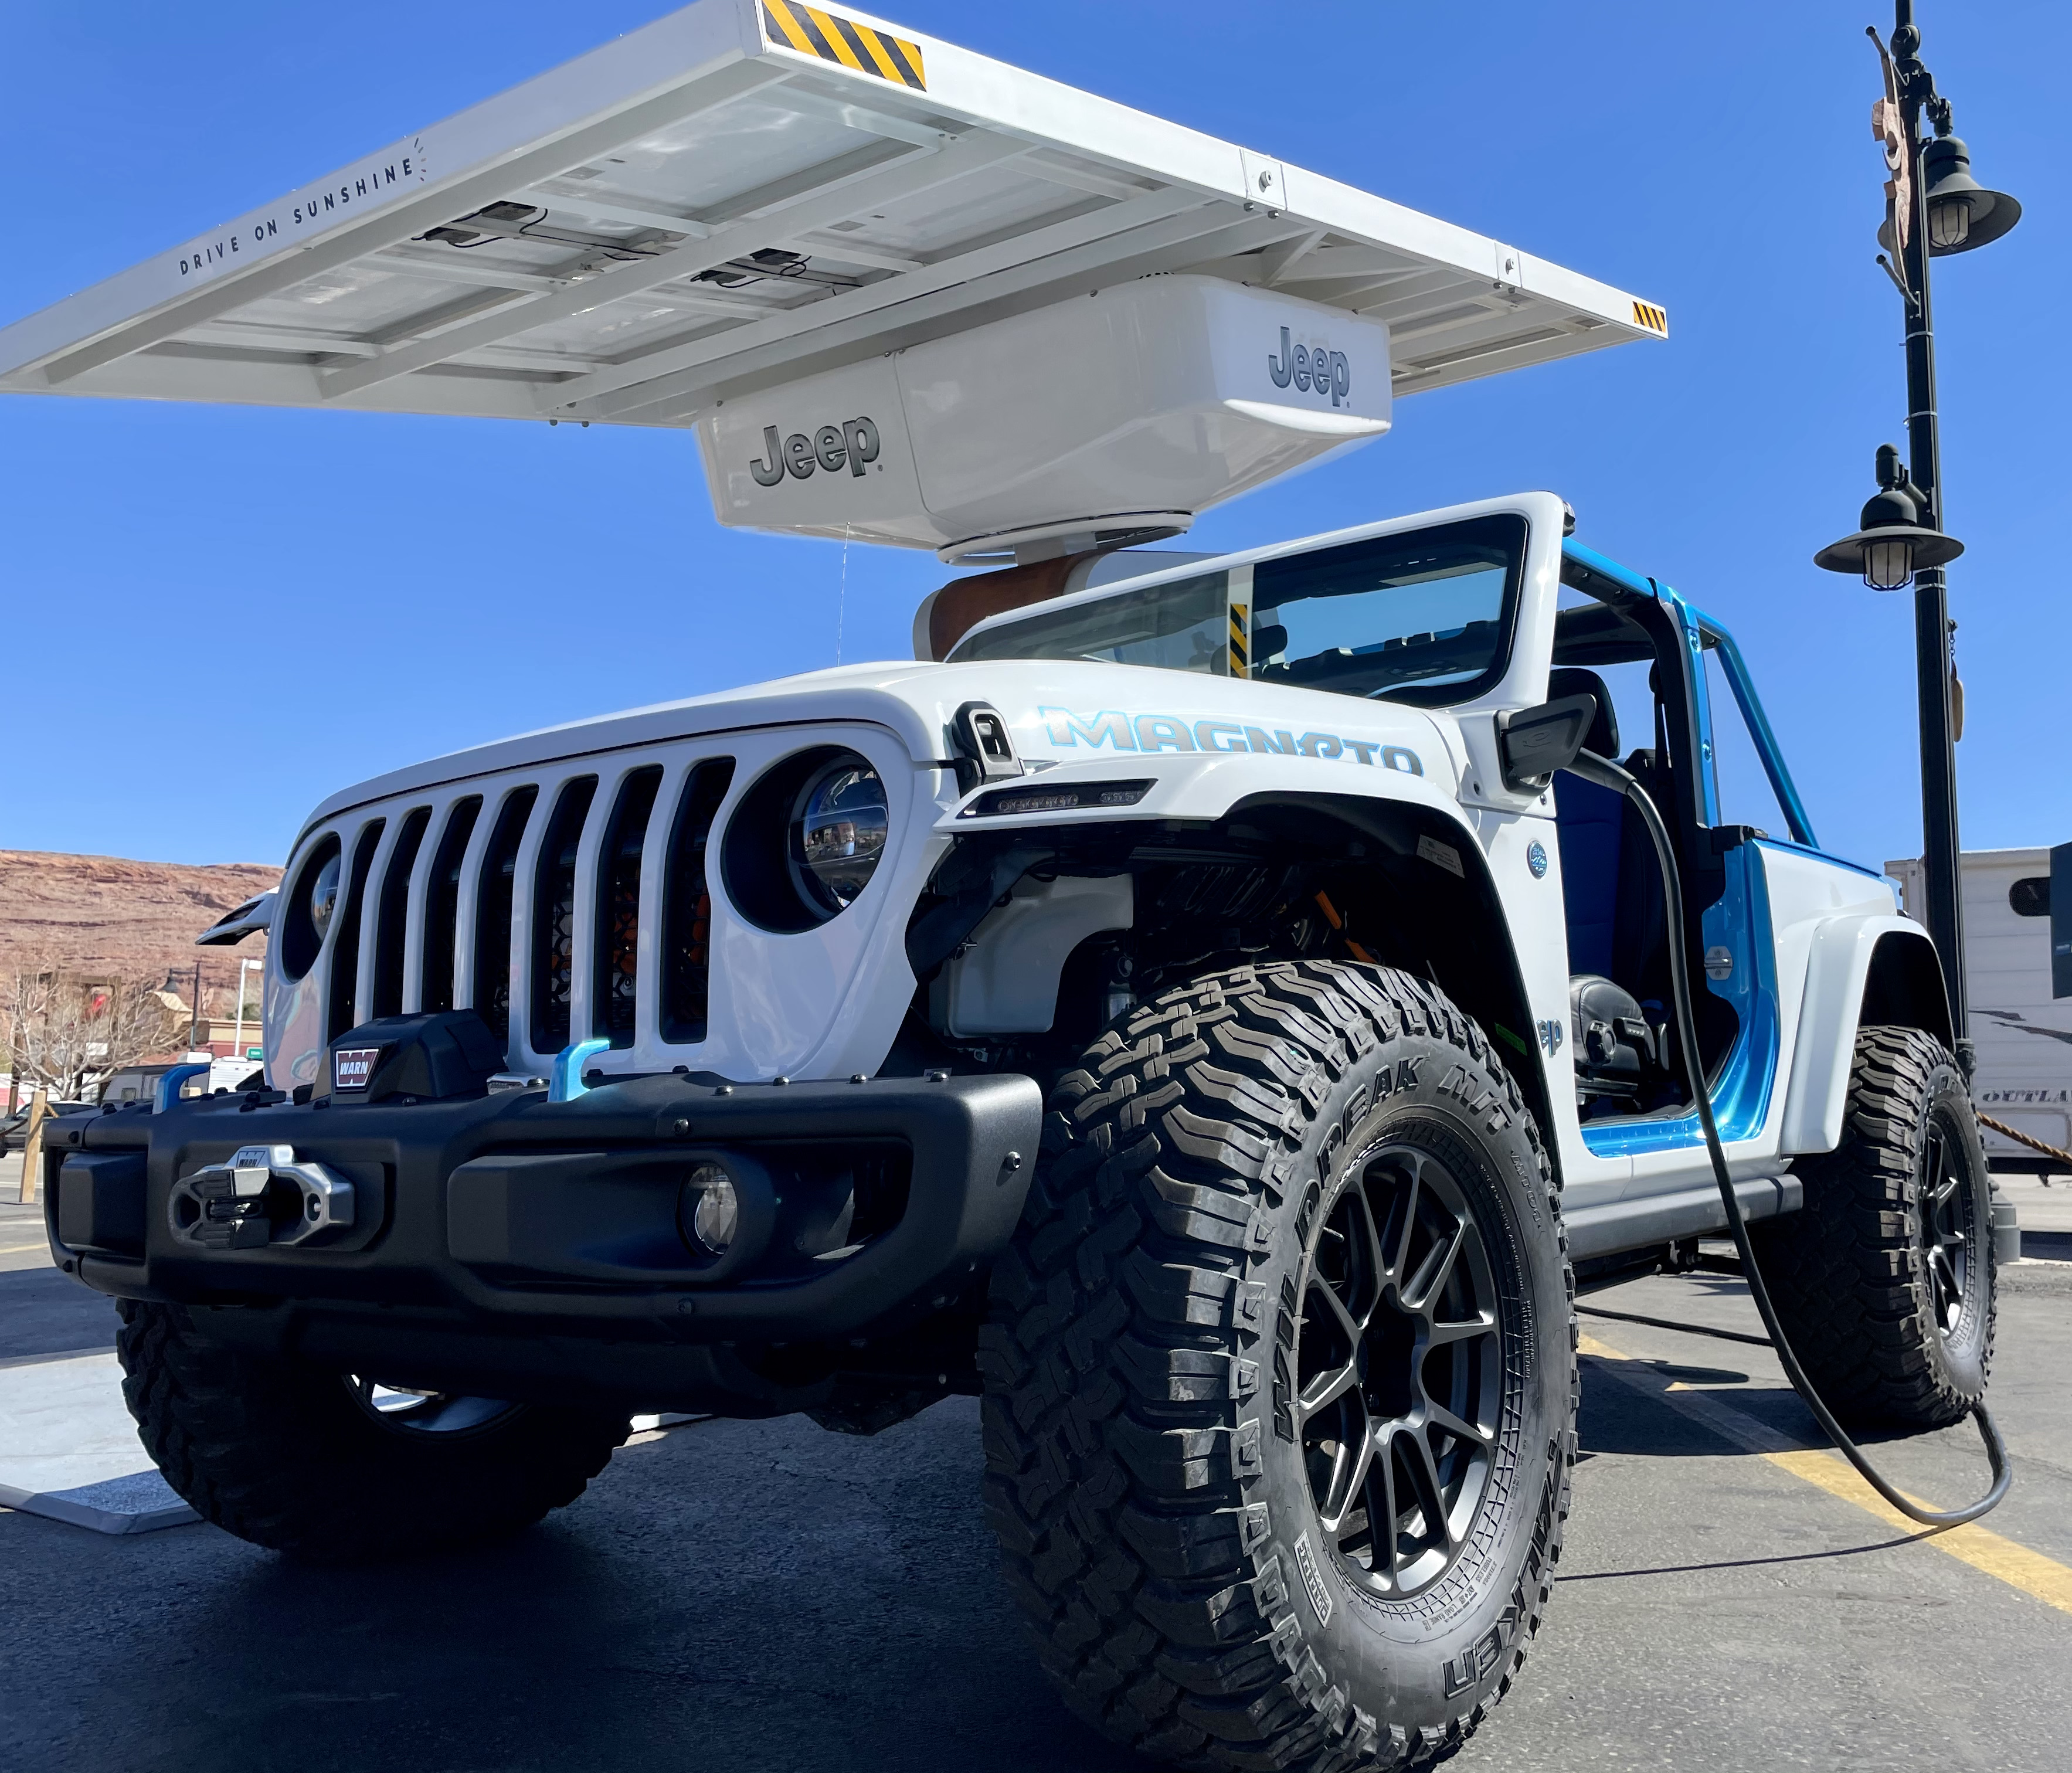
834 38
1241 653
1645 314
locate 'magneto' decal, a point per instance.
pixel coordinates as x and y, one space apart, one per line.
1148 733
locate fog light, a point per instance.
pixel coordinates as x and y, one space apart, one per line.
717 1215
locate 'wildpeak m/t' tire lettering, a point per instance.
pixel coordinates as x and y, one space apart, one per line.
1280 1374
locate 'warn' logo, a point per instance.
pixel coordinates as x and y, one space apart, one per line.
1315 371
352 1067
852 444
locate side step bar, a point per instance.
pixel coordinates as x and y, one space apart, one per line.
1617 1225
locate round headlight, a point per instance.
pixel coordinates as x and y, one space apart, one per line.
323 895
838 832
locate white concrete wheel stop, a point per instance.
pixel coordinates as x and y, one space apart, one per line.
69 1451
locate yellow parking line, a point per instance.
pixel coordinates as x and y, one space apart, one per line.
2044 1578
2017 1565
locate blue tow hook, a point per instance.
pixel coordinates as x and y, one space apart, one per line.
567 1083
168 1090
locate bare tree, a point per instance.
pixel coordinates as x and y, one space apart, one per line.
61 1030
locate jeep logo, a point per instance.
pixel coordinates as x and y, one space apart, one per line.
854 444
1323 371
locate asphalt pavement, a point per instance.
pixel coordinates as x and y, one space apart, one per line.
733 1595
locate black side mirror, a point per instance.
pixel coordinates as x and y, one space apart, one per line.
1534 743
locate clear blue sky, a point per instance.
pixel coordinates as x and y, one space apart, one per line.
211 618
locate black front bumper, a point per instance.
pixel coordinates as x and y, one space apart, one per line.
512 1241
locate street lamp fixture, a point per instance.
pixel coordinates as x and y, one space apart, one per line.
1891 543
1962 213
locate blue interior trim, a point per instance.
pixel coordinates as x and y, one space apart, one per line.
1740 923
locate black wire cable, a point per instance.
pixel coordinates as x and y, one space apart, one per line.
1682 1329
1607 774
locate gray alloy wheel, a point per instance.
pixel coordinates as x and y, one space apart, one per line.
1401 1378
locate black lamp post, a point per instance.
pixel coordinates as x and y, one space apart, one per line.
1937 208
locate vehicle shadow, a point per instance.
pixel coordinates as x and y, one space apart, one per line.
1617 1418
735 1595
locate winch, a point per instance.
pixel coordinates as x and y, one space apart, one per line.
262 1196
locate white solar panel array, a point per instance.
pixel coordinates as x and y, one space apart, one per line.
748 192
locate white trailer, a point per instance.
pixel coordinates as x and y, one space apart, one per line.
2021 1026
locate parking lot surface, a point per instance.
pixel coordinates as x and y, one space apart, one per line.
768 1595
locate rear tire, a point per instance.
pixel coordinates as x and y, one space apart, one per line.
299 1459
1885 1282
1287 1217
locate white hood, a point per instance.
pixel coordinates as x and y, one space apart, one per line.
1061 712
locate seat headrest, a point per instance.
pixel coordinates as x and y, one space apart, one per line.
1573 680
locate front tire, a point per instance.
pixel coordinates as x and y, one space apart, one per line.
330 1468
1885 1281
1292 1259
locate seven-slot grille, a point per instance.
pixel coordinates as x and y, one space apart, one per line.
554 871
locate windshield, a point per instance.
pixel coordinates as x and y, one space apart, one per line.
1183 624
1424 615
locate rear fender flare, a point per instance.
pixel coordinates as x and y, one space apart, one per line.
1880 968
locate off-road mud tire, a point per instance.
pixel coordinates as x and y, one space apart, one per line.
1147 1495
1848 1275
285 1456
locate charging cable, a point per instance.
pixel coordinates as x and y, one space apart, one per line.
1607 774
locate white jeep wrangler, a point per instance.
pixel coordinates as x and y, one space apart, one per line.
1182 1017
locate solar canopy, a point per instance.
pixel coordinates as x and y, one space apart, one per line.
745 192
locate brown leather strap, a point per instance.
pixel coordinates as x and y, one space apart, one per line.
963 603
